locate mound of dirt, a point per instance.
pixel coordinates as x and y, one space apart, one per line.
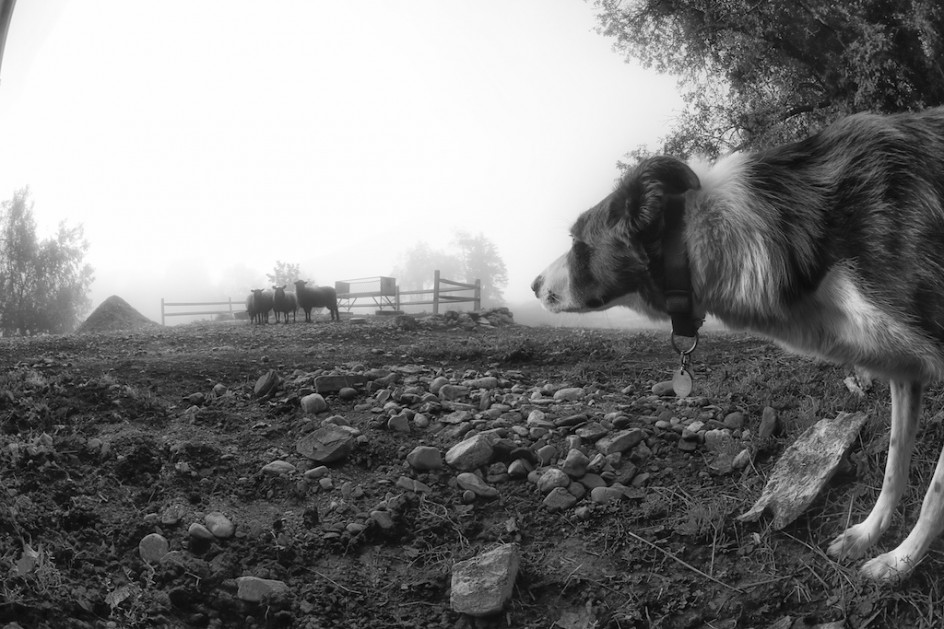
115 314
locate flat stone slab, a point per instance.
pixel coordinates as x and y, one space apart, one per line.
804 468
333 384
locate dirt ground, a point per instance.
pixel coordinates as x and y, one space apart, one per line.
109 437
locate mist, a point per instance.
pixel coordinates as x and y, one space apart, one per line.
225 137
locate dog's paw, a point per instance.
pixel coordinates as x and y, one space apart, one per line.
852 543
889 568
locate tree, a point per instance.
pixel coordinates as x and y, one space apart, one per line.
754 74
45 283
415 269
284 274
481 261
472 258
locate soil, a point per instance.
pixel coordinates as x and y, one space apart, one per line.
109 436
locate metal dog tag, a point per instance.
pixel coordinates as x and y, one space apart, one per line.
682 383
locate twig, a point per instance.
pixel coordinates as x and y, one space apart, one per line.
335 583
683 563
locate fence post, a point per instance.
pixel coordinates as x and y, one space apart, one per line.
162 312
436 292
478 295
396 303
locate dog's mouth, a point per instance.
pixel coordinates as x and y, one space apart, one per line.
563 300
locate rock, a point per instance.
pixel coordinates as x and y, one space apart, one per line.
483 585
546 454
552 478
575 463
592 431
768 424
734 421
663 388
328 444
425 458
218 524
519 468
347 393
468 480
438 383
569 394
453 392
313 403
152 547
335 383
559 499
804 468
383 519
472 453
277 468
621 441
486 382
538 419
742 459
399 423
267 384
605 495
255 590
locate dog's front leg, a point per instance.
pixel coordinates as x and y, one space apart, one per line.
898 564
906 407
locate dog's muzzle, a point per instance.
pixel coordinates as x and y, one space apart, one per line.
548 298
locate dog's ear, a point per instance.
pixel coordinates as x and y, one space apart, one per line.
646 187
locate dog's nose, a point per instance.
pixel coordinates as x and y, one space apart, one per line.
536 285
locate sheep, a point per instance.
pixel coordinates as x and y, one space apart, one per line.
284 303
317 297
262 304
251 307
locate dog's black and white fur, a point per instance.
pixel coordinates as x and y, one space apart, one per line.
833 246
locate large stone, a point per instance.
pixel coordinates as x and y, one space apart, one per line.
333 384
267 383
468 480
328 444
472 453
153 547
313 403
483 585
804 468
425 458
621 441
552 478
255 590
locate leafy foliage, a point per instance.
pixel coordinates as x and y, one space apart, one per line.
45 283
284 274
471 258
760 73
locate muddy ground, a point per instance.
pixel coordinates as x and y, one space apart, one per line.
107 438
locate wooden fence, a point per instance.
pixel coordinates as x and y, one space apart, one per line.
378 292
442 292
382 292
165 305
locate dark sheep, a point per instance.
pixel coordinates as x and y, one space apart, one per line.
251 307
317 297
262 302
284 303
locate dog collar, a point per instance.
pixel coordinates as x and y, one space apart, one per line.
679 302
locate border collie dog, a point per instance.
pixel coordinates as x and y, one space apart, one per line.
832 246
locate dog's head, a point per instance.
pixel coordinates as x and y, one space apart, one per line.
616 254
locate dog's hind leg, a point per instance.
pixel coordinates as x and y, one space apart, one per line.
895 565
906 407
